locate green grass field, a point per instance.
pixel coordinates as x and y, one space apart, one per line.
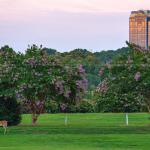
83 132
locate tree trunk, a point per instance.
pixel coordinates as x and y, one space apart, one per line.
36 109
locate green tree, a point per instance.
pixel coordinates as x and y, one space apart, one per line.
45 78
126 87
10 65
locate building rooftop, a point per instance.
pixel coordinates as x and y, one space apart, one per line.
140 12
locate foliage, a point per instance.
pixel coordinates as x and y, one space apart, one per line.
52 107
128 85
92 62
10 63
43 74
50 51
35 77
107 56
10 110
70 109
85 107
44 78
81 107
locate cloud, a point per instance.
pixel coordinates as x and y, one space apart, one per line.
75 6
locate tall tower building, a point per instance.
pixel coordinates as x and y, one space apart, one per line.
139 28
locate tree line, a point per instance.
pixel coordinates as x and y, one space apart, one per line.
43 80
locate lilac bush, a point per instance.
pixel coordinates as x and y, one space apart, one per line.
45 78
35 77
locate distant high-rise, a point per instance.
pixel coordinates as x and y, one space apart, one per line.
139 28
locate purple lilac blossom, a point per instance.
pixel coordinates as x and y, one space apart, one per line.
59 86
31 62
82 84
63 107
81 69
67 94
102 87
137 76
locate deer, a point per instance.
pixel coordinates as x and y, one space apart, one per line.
4 124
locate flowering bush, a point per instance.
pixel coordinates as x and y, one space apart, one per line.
35 77
44 78
128 84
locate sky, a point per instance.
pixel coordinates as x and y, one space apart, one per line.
67 24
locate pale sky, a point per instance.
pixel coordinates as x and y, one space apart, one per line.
67 24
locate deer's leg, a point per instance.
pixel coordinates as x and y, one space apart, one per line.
5 129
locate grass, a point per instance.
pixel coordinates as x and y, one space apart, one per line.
83 132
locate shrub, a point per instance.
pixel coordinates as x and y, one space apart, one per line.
82 107
85 107
71 109
119 103
51 107
10 110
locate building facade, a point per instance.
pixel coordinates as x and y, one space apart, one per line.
139 28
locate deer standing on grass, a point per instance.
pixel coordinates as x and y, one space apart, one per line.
4 124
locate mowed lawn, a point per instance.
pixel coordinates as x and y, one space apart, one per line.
83 132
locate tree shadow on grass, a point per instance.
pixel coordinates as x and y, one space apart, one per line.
79 130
